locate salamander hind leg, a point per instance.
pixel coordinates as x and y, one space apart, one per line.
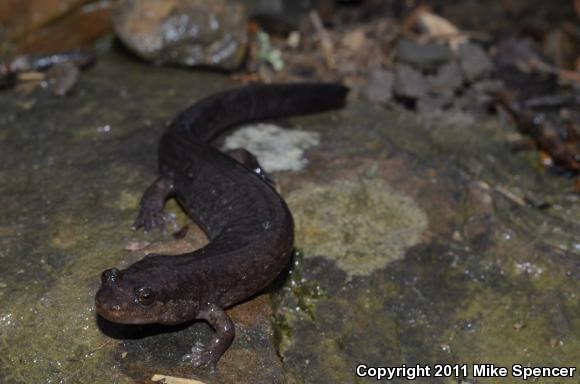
250 160
151 205
224 335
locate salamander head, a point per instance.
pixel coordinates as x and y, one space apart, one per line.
142 296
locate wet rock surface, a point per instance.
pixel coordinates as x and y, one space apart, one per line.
185 32
467 271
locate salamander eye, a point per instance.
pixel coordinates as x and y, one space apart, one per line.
145 296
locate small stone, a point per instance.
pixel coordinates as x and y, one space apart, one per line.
379 88
448 79
480 94
62 77
409 82
185 32
474 61
423 56
488 86
519 325
536 200
431 105
136 245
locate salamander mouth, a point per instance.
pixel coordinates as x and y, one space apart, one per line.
116 314
113 312
122 313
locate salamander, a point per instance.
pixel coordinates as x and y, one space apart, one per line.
249 226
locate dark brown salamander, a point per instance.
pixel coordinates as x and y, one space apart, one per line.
250 228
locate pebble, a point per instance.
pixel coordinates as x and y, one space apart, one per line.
422 56
449 78
475 62
430 105
409 82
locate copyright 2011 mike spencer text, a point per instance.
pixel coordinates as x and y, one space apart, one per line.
412 372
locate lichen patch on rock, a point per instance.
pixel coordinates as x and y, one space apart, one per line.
361 225
277 149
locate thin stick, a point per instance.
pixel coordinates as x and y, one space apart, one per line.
325 40
162 379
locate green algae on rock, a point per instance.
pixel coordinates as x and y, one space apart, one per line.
66 203
361 225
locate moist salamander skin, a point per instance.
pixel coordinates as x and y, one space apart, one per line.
249 226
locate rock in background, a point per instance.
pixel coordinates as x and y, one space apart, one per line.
185 32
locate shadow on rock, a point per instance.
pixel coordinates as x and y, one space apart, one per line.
133 332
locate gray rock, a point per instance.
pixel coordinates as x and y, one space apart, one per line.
380 86
488 86
475 62
448 79
422 56
360 209
432 105
185 32
481 94
409 82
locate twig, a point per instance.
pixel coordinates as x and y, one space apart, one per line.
561 150
325 40
465 35
563 74
31 76
510 195
162 379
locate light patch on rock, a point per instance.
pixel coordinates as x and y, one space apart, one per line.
363 226
276 148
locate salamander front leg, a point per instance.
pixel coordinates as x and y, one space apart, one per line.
151 205
224 335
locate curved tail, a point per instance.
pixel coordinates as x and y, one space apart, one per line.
209 117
